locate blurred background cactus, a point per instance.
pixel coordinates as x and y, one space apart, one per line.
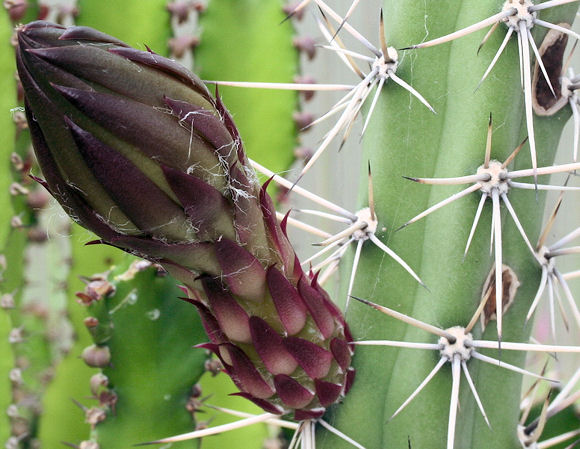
96 349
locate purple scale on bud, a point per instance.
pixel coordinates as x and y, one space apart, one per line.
316 306
341 352
136 149
292 393
244 372
270 347
210 324
315 413
288 302
327 392
114 172
231 316
206 124
312 358
204 205
266 405
242 272
280 240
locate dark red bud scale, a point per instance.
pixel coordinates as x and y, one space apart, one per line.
242 272
287 301
292 392
270 347
327 392
315 303
315 360
230 315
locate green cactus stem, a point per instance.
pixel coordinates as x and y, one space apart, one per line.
240 43
6 138
404 139
112 17
61 421
143 345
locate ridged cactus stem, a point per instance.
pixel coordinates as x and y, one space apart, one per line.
404 139
238 42
142 347
6 297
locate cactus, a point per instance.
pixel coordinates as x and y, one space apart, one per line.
455 286
219 57
134 323
409 258
7 127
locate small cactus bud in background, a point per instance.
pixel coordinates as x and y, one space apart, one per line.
137 150
7 301
306 94
16 9
96 356
94 416
89 445
16 376
291 10
303 120
307 45
91 322
98 381
38 199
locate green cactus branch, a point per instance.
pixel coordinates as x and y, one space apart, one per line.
112 18
239 43
62 418
152 368
406 140
7 84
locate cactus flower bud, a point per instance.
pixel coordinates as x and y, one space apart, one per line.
96 356
136 149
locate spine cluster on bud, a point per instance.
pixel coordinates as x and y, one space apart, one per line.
137 150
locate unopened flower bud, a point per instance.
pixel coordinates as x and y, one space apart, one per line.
96 356
89 445
136 149
16 9
91 322
97 382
